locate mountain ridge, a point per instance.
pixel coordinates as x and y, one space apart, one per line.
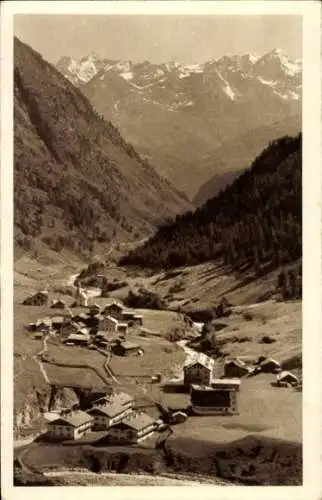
177 116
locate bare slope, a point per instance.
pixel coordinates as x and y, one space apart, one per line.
76 179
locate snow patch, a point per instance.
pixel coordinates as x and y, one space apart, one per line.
253 58
86 71
123 66
72 67
289 95
227 88
271 83
292 68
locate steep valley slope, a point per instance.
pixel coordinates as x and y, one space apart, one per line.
76 180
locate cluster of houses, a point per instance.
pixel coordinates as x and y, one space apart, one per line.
114 413
238 368
210 395
98 325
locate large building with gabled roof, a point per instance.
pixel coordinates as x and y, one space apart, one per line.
133 429
111 410
198 369
72 425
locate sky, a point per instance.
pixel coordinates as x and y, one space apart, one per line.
187 39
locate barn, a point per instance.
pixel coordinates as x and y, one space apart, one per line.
236 368
125 348
270 365
286 377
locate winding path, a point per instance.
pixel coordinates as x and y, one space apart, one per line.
36 358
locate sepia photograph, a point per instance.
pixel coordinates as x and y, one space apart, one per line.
157 248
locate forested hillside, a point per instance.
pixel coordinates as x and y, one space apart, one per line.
255 223
76 180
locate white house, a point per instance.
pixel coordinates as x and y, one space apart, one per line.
133 429
73 425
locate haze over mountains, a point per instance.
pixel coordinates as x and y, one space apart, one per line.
76 179
180 116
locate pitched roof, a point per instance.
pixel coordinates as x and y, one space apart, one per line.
74 419
83 331
113 405
129 345
225 381
113 320
82 316
114 303
199 358
45 321
284 374
138 421
269 360
236 362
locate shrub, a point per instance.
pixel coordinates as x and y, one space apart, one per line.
111 287
177 287
175 335
267 340
144 299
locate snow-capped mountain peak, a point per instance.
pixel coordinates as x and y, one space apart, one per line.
167 83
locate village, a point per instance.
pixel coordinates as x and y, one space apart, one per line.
115 417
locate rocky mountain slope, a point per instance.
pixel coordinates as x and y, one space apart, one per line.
76 180
178 115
